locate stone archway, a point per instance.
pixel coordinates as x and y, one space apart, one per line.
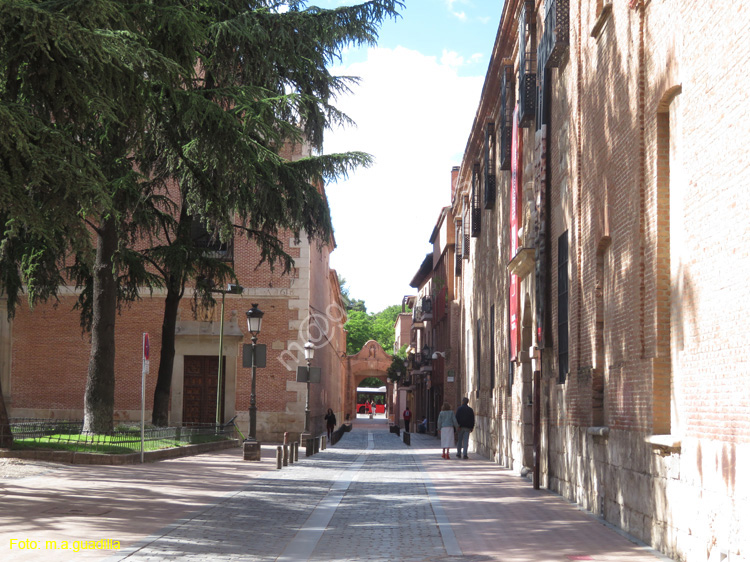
370 361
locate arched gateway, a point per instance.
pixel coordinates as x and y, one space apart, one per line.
370 361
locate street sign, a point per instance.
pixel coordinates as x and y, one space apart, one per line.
247 355
302 374
146 352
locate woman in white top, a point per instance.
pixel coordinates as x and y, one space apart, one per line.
446 424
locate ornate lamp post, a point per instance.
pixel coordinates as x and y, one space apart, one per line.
254 321
309 354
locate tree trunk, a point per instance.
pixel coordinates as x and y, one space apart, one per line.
99 400
160 415
6 437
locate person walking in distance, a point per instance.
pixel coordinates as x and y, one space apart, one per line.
447 424
465 419
407 418
330 423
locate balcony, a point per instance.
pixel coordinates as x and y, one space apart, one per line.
523 262
556 39
526 65
421 312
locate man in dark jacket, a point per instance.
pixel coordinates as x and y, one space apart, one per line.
465 418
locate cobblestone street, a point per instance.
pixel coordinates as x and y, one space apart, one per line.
368 498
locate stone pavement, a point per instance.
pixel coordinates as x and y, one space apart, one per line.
369 498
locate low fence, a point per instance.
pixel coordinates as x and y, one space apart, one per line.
126 438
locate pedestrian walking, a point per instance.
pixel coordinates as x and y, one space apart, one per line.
447 424
465 419
407 418
330 423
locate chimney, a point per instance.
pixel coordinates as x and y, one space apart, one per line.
454 180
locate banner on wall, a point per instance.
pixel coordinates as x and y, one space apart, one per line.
515 208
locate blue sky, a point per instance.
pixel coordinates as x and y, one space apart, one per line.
414 108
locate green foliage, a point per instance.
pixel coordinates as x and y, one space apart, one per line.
397 368
359 327
371 382
383 326
131 120
363 327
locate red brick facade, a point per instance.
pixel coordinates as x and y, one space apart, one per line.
631 363
44 355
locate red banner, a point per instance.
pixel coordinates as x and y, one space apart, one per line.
515 210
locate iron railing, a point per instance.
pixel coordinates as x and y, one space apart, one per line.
556 38
527 65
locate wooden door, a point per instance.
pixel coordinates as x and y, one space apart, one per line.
199 389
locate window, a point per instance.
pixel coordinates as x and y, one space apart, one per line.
476 209
478 337
489 165
210 242
459 247
492 346
562 307
466 221
507 104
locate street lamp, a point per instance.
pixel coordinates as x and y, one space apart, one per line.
232 289
309 354
254 320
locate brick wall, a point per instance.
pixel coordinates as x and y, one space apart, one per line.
650 427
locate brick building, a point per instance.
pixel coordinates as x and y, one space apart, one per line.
44 356
433 352
603 261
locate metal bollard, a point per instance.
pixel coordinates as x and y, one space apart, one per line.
286 437
279 456
286 455
291 453
296 451
323 442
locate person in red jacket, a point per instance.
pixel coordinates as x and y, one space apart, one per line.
407 418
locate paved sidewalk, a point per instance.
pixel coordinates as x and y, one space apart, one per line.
369 498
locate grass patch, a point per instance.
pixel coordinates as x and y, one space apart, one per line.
118 444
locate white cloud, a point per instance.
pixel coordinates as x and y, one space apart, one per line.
413 114
476 58
460 15
451 59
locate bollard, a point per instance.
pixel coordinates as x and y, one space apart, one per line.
251 450
291 453
279 454
323 442
286 437
309 447
407 438
286 454
296 451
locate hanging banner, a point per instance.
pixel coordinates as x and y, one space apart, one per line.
515 212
